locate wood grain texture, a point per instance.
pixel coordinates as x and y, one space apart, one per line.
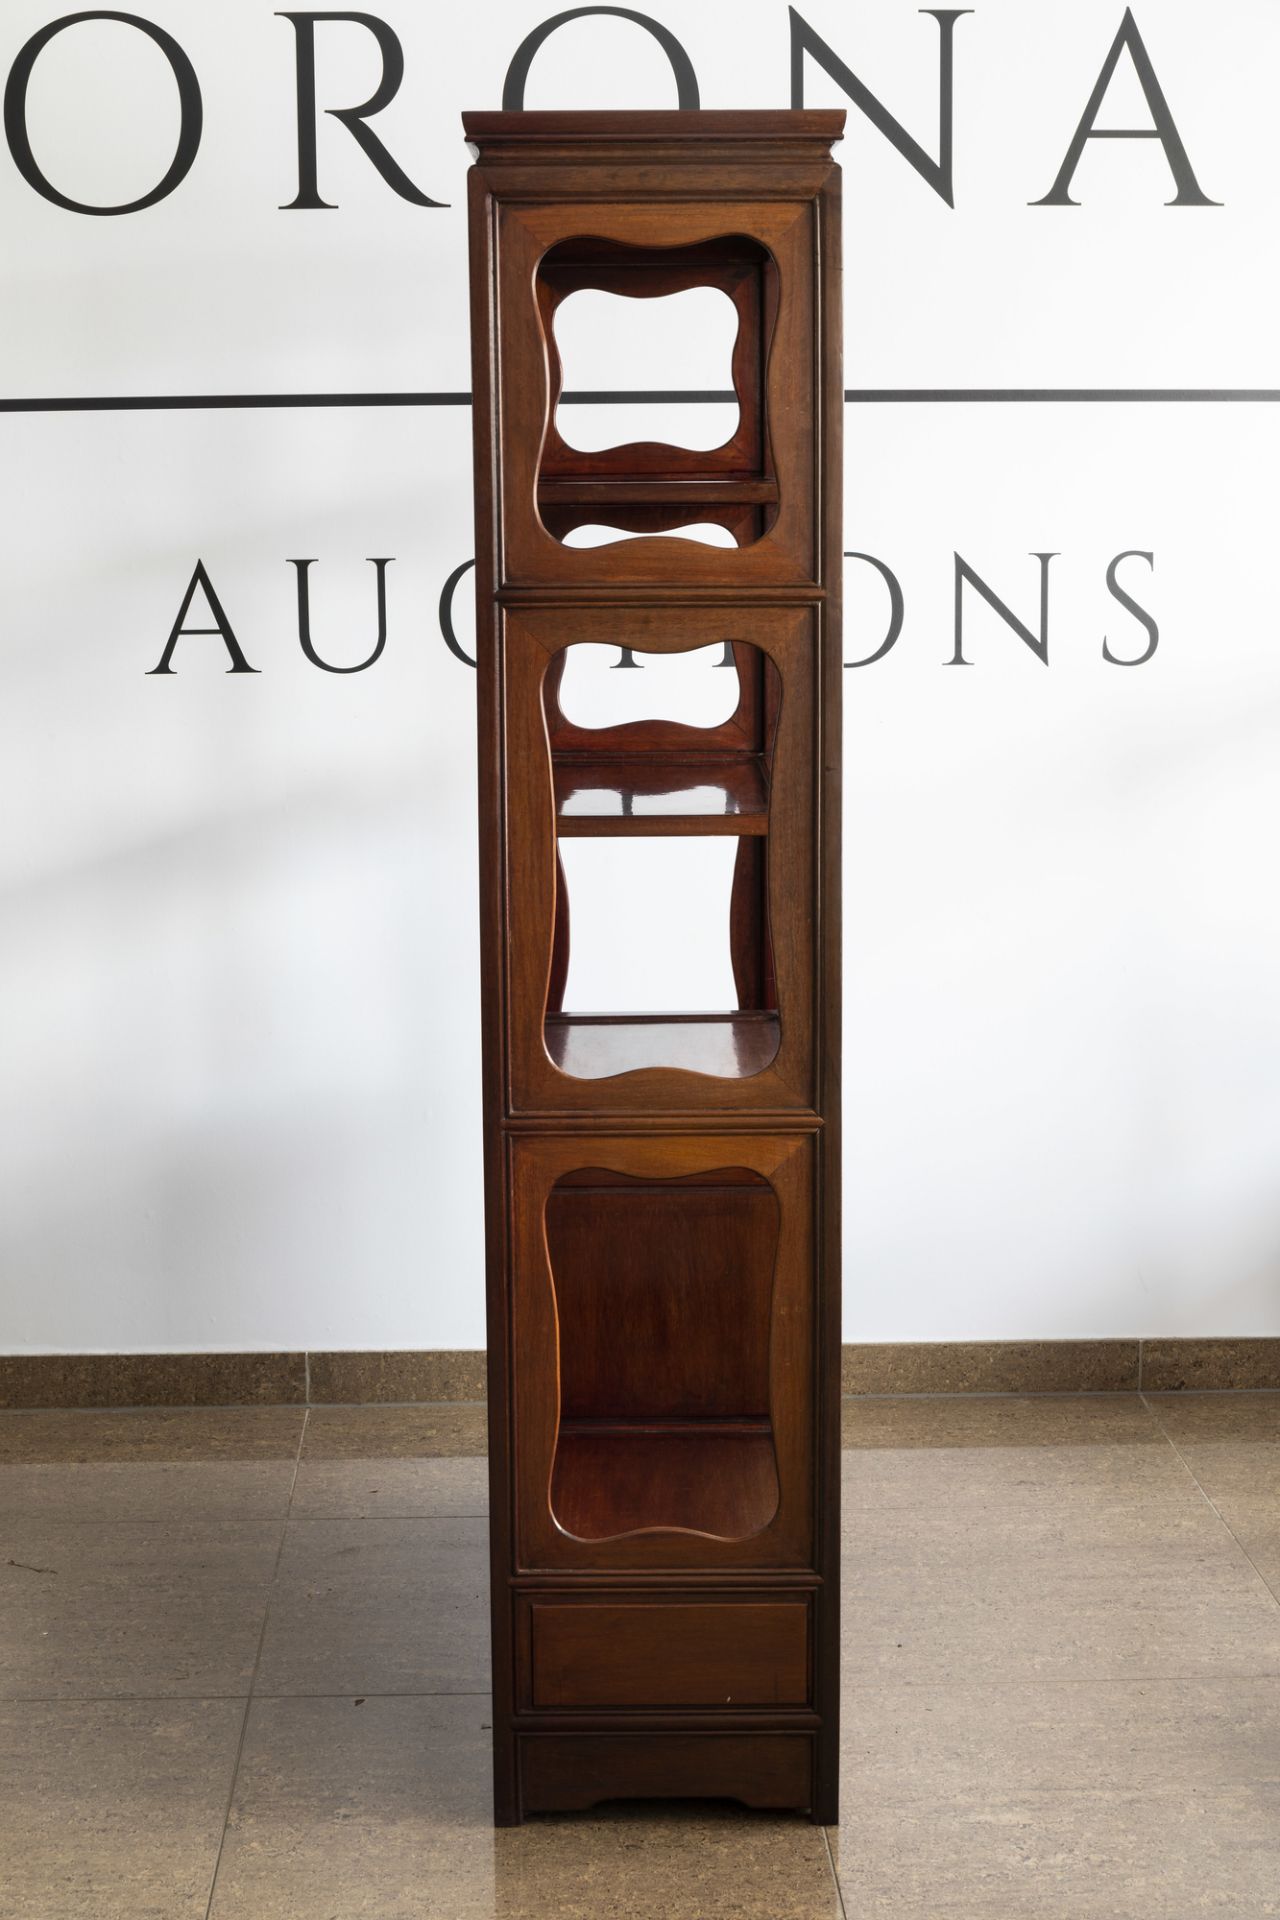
714 1046
664 1292
662 1191
711 1479
773 932
786 550
669 1654
782 1537
640 796
648 470
573 1771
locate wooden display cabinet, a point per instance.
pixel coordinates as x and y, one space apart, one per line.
662 1186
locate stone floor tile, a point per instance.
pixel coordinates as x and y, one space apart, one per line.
393 1461
131 1607
1112 1590
438 1430
1218 1416
1256 1525
113 1810
1229 1441
1062 1676
1141 1801
383 1809
194 1463
675 1861
999 1421
985 1452
379 1606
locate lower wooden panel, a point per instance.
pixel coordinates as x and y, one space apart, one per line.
660 1654
565 1772
662 1328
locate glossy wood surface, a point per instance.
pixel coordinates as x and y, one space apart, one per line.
712 1046
739 268
787 550
662 1197
664 1295
644 796
762 1058
752 1525
672 1654
706 1478
573 1771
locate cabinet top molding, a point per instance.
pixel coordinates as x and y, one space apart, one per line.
695 137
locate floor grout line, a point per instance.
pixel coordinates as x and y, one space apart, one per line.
986 1683
345 1519
262 1636
26 1516
375 1693
162 1699
124 1407
859 1683
1215 1510
115 1699
14 1516
835 1875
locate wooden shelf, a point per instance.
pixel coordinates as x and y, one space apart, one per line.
630 794
639 490
728 1046
716 1477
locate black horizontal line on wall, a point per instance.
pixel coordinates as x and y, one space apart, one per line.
188 402
986 396
856 396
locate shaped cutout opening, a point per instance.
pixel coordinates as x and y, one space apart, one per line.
615 343
661 768
592 534
664 1302
650 925
605 686
657 361
721 700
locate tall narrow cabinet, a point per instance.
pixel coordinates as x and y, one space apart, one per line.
662 1184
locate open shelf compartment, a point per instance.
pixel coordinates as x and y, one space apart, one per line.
727 1046
653 485
664 1295
655 776
631 793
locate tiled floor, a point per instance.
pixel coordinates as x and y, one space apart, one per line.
243 1664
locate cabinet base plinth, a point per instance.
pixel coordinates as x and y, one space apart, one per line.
567 1772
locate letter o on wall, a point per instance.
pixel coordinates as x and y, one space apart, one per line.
15 111
522 59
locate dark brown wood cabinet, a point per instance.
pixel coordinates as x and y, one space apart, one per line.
662 1185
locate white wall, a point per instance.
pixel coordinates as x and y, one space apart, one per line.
238 955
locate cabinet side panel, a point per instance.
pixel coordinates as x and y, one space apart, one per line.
492 987
828 1001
